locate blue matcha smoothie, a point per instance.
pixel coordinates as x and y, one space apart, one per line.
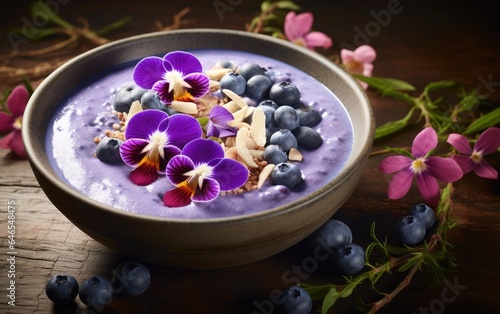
86 113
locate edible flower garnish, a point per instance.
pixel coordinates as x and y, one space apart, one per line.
359 61
426 169
473 160
200 172
217 125
16 103
152 139
177 78
298 30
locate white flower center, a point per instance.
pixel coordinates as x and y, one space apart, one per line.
18 123
176 83
418 166
200 173
157 141
476 156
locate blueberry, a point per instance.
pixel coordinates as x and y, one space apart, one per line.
269 103
62 289
286 174
410 230
151 100
258 87
424 213
307 137
169 110
286 118
308 116
348 259
285 93
233 82
284 139
274 154
108 150
96 292
226 64
278 76
126 95
295 300
131 278
247 70
332 234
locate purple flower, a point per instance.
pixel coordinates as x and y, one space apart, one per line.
200 172
427 169
487 143
176 77
16 103
217 123
152 139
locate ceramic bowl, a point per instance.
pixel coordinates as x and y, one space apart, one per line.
201 243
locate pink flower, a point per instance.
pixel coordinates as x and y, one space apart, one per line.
487 143
359 61
298 31
16 103
426 169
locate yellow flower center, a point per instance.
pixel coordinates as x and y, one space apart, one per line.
476 156
418 166
300 41
18 123
354 67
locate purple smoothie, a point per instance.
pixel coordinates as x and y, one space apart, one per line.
86 113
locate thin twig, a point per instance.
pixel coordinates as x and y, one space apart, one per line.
177 21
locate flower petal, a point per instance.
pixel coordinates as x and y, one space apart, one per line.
17 145
443 169
178 197
367 69
146 173
488 141
6 122
200 83
144 123
162 88
400 184
485 170
465 163
148 71
296 26
460 143
429 189
394 163
202 151
5 141
169 152
184 62
17 100
177 167
424 142
365 54
208 192
230 174
318 39
182 129
346 56
131 151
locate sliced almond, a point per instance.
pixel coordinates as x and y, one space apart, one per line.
214 85
184 107
264 174
134 108
257 153
239 116
231 153
243 151
258 127
231 106
251 143
294 155
239 101
231 141
217 74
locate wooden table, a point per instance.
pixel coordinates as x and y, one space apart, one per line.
420 41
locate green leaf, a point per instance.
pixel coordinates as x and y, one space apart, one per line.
488 120
329 300
27 84
202 121
393 126
40 7
290 5
41 33
113 26
265 5
438 85
318 292
386 83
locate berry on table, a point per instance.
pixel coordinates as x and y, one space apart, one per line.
332 234
62 289
410 230
96 292
295 300
131 278
348 259
424 213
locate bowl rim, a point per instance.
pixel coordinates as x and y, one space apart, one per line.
352 163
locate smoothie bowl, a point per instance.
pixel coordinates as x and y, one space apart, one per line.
198 148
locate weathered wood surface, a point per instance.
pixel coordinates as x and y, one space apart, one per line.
426 41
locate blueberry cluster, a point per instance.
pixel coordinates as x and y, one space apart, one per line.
411 229
289 122
130 278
